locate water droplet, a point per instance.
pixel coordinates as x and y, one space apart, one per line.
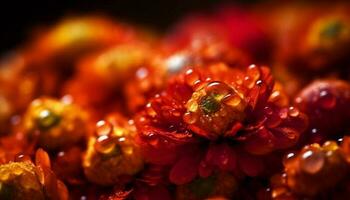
293 112
142 73
191 77
176 62
330 146
340 140
150 111
253 72
209 104
259 82
312 161
288 157
275 95
47 119
22 158
249 82
103 127
327 100
192 106
104 144
233 100
190 118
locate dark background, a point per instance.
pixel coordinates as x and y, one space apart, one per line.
18 17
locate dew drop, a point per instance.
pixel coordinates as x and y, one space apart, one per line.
192 106
104 144
330 146
142 73
233 100
340 140
312 162
293 112
191 77
121 139
103 128
150 111
208 104
327 100
47 119
190 118
253 72
249 82
275 95
22 158
288 157
259 82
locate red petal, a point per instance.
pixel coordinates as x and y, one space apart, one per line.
250 165
205 169
261 142
185 170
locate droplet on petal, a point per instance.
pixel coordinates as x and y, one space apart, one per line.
103 127
191 77
312 161
293 112
327 100
105 144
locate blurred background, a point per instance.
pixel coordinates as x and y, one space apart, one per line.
19 17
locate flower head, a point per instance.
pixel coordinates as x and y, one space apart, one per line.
25 180
304 171
112 156
55 123
207 115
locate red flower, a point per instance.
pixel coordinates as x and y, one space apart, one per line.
326 102
305 171
217 118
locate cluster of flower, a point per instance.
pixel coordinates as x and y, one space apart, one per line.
247 103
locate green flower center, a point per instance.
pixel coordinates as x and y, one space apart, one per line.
209 104
47 119
332 30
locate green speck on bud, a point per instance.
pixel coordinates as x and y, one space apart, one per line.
47 119
332 30
209 104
